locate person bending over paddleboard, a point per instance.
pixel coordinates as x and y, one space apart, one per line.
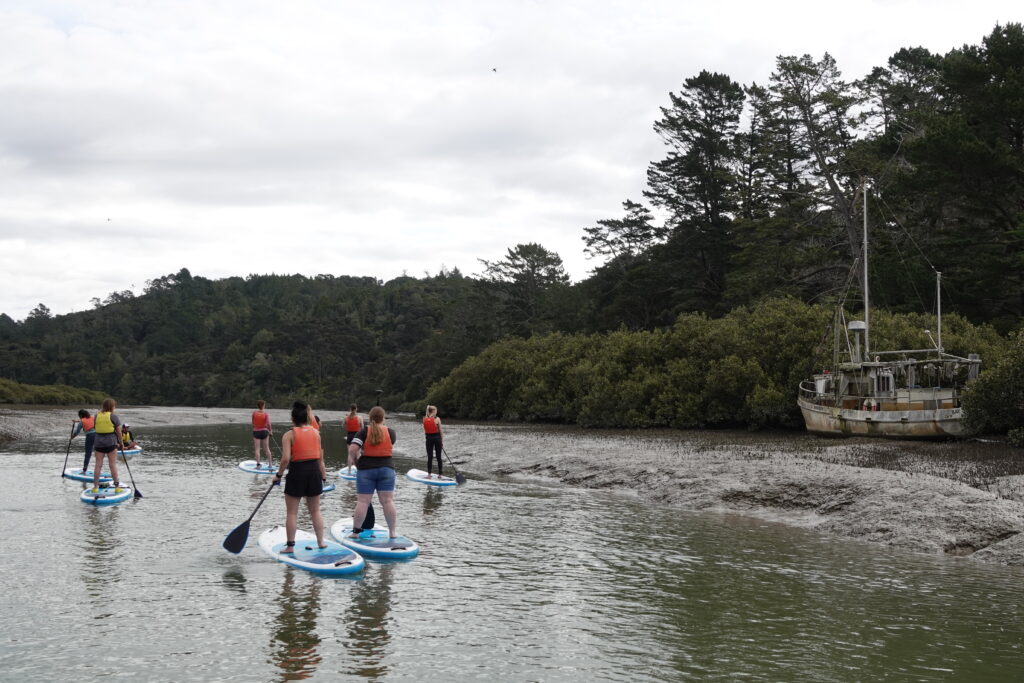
432 430
376 471
303 457
353 423
85 424
261 431
108 437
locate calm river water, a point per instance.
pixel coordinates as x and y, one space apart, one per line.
518 580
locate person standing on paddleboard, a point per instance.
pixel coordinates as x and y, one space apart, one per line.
432 430
303 456
261 431
376 471
353 423
108 438
87 425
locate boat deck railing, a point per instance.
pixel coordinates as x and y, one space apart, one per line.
922 399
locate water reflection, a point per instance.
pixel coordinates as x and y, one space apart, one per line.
295 641
234 580
99 545
432 500
367 623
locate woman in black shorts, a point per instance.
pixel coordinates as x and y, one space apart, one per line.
303 457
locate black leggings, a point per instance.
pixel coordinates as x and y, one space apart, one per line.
434 448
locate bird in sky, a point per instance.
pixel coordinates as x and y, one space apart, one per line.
495 70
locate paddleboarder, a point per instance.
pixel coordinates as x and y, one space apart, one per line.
86 425
370 452
108 437
353 423
303 456
261 431
432 431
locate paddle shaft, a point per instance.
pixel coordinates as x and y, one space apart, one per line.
138 494
265 494
458 475
70 438
234 542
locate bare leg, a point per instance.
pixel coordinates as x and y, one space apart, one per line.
362 502
97 469
387 501
113 466
266 449
256 450
291 505
313 504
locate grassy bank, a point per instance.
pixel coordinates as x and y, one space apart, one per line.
47 394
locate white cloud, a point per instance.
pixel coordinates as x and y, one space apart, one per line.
363 138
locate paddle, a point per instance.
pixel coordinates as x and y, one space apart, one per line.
69 449
235 541
138 493
460 478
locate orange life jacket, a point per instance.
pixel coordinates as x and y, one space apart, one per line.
260 419
430 425
352 423
381 450
305 444
88 423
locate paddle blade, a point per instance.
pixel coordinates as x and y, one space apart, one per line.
138 493
460 478
235 541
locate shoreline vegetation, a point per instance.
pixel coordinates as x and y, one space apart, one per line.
961 498
12 392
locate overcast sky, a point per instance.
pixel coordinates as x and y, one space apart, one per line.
365 138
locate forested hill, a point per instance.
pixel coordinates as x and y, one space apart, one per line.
193 341
759 196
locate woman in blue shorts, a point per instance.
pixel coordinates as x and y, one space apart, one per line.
375 470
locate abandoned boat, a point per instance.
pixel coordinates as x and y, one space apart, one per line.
905 394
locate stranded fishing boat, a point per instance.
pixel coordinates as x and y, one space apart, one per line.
904 394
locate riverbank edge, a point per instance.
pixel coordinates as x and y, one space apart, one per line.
899 509
720 471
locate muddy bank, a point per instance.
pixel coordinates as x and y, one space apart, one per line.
800 480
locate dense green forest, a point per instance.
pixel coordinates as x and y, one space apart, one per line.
754 213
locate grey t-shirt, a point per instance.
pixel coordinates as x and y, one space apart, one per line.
104 440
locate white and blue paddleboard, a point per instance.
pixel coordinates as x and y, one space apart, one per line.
129 452
374 542
250 467
435 480
347 473
106 495
328 488
335 559
77 474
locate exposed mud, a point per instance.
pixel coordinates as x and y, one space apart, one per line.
959 498
913 496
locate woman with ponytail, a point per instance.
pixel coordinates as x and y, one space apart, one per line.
370 452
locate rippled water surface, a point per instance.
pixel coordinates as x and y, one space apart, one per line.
519 580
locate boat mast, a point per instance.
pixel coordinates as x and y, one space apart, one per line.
867 327
938 301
